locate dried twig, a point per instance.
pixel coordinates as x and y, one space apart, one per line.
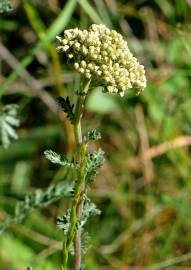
30 81
144 144
159 150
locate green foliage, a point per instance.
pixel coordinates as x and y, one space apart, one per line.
158 32
92 135
67 107
39 199
58 159
5 6
89 209
94 163
85 244
63 222
8 123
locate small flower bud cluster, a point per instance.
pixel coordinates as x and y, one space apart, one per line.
103 55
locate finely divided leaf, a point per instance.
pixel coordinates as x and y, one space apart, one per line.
67 107
89 209
8 123
92 135
94 163
63 222
39 199
58 159
5 6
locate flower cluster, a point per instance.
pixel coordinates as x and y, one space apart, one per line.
102 55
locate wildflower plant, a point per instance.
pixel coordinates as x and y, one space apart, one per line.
103 58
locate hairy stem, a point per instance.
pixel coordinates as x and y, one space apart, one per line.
77 203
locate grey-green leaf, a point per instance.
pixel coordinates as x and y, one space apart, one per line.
94 163
8 123
58 159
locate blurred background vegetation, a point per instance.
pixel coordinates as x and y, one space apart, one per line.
144 187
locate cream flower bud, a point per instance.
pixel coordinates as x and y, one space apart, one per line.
110 88
104 67
107 78
59 39
90 66
77 45
83 64
99 73
81 70
87 75
84 50
65 41
65 48
76 65
94 56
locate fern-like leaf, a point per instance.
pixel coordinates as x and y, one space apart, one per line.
89 209
58 159
94 163
5 6
8 123
63 222
92 135
67 107
37 200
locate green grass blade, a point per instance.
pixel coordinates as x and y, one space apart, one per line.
58 25
87 7
103 11
34 19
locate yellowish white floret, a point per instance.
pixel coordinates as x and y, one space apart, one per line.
103 55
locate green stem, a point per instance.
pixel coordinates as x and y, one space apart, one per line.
77 203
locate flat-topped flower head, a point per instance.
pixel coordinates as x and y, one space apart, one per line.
102 55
